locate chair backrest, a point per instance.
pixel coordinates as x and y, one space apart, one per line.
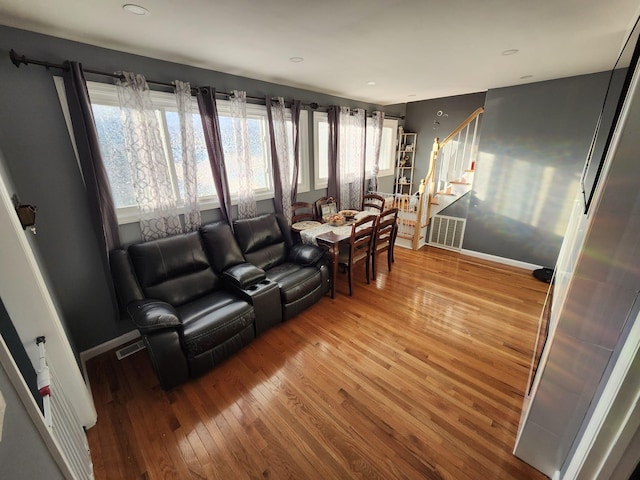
361 240
373 201
385 229
221 246
325 206
301 211
262 240
174 269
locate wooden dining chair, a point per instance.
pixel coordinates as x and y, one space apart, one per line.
301 211
360 246
384 238
325 206
373 201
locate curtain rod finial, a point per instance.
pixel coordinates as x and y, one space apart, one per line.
16 59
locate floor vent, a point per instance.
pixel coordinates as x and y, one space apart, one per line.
130 349
447 232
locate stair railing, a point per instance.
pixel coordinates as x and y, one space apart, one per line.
450 160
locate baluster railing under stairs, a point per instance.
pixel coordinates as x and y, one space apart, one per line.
450 173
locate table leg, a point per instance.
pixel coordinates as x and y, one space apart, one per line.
333 253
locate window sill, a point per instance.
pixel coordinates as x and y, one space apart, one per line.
129 215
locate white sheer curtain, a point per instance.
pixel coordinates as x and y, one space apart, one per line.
377 122
247 207
192 219
351 156
278 112
147 160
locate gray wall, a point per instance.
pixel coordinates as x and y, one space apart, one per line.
533 147
423 119
43 169
534 141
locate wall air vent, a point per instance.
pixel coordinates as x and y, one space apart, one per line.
447 232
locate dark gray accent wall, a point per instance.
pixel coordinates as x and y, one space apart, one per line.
423 119
533 147
42 166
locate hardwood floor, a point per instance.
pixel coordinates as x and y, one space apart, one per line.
418 376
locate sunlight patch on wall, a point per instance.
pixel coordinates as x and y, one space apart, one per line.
482 183
523 191
545 191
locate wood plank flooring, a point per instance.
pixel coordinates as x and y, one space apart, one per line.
419 375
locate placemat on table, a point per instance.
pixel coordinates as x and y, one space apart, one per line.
305 224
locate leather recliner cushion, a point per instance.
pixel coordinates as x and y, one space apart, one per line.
174 270
269 256
221 246
258 232
295 281
213 319
124 278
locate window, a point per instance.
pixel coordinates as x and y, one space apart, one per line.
321 146
386 165
107 116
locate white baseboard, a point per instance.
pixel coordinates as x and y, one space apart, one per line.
109 345
506 261
104 347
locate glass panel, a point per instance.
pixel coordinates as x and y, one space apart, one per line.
111 138
205 177
257 150
323 150
386 149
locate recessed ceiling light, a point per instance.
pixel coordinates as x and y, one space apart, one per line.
296 59
135 9
511 51
525 77
371 83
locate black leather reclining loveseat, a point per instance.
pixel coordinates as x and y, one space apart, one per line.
197 298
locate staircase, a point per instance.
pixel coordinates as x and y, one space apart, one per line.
449 177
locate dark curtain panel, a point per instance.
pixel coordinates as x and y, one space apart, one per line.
295 119
333 186
275 161
94 174
212 137
105 222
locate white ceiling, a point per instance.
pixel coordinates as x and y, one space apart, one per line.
412 49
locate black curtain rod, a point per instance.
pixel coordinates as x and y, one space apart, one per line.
18 60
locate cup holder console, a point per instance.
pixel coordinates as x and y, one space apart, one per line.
265 298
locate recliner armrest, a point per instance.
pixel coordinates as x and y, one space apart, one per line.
153 315
244 275
306 255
